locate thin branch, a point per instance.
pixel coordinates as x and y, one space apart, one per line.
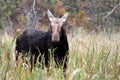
32 17
116 6
34 7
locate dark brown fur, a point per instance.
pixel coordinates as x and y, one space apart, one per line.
38 44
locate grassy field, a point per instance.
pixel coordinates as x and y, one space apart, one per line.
91 57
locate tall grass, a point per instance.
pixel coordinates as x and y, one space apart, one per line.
91 57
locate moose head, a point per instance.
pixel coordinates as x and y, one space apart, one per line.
56 25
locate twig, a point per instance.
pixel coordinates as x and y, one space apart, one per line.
34 7
32 17
111 11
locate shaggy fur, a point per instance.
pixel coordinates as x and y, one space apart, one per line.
34 41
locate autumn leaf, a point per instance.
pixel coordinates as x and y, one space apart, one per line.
59 9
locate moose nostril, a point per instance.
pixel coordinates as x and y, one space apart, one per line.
55 37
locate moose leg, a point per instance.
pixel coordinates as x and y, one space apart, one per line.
47 60
16 57
32 62
65 62
61 62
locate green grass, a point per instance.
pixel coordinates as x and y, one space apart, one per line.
91 57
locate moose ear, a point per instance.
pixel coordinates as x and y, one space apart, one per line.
50 15
64 17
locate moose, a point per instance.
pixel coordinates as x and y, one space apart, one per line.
39 43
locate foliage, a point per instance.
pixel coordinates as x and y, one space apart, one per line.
81 18
7 9
59 9
16 11
117 21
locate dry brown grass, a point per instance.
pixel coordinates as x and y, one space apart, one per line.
92 57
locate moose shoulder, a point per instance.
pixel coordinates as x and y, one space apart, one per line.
39 42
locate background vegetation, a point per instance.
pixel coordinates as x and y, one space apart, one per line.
90 14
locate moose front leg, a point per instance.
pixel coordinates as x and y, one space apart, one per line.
61 62
65 65
16 58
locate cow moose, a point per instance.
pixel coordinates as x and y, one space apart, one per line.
40 42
